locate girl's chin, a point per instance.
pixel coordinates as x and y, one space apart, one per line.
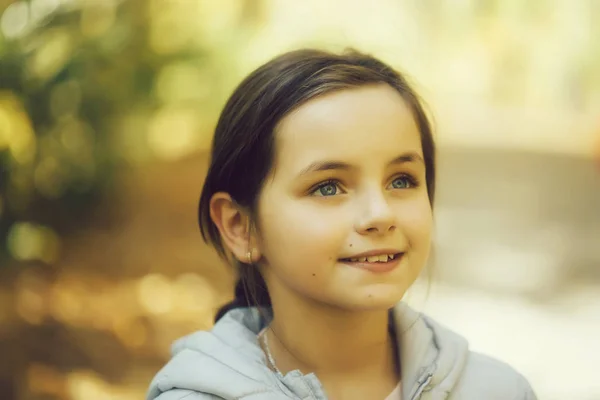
372 301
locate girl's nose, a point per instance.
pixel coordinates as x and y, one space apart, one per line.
375 216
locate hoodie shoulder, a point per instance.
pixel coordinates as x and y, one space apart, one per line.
195 373
223 363
489 378
459 373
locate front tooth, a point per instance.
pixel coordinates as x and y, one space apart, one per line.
362 259
383 258
373 258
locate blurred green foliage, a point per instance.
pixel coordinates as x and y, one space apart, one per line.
80 82
62 90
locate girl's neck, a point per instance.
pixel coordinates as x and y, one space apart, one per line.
330 341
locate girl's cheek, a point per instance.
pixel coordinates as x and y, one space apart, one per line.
416 219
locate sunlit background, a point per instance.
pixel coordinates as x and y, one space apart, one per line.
106 111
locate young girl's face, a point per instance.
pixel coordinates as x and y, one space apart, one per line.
348 181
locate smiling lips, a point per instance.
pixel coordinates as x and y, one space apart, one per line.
380 261
372 259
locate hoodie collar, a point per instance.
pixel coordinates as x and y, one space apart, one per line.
432 358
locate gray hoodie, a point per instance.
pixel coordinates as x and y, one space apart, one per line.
228 363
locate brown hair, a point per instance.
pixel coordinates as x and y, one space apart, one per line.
243 144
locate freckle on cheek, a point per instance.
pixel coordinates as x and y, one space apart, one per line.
350 244
314 274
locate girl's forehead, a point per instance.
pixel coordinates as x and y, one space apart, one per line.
371 120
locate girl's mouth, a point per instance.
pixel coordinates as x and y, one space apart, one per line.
378 263
383 258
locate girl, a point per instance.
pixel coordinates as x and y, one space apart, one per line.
320 191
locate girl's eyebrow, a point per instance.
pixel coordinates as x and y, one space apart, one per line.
319 166
408 157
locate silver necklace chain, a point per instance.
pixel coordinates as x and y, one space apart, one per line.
263 337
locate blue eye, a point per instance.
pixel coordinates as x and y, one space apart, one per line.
326 189
403 182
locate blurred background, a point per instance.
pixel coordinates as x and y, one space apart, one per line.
106 112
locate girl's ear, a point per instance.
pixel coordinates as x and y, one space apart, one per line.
234 225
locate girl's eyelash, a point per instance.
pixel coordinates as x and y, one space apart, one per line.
411 178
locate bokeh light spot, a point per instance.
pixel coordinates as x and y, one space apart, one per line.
15 20
155 294
27 242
